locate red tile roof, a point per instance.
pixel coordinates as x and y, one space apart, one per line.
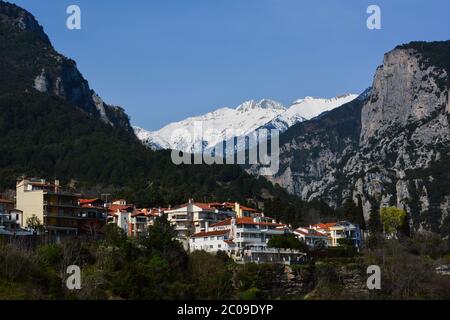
210 233
115 207
6 201
87 201
324 225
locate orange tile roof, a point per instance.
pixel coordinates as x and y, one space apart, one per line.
86 201
115 207
324 225
210 233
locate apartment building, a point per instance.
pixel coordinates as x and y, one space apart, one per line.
59 211
93 214
194 217
312 237
10 218
340 230
134 222
245 240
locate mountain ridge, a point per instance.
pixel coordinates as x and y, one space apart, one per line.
391 147
249 116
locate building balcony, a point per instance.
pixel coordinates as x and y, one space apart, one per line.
61 204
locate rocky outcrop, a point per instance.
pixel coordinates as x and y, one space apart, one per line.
31 63
390 147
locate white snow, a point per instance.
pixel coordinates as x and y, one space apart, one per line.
243 120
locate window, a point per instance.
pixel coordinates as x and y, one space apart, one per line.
219 246
211 246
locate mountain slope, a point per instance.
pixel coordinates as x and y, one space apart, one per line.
57 129
243 120
392 148
30 63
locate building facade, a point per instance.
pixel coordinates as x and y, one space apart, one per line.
58 211
194 217
340 230
245 240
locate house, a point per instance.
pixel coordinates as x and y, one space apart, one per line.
59 211
340 230
245 240
93 214
194 217
10 218
312 237
134 222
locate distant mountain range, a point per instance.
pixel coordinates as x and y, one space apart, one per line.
243 120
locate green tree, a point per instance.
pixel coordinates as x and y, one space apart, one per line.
34 223
287 242
392 219
360 214
114 235
350 211
375 225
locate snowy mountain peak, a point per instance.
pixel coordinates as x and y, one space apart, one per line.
262 104
243 120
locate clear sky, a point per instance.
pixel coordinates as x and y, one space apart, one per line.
165 60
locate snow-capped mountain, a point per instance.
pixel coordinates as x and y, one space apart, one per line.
216 126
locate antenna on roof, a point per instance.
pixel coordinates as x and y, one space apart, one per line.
105 196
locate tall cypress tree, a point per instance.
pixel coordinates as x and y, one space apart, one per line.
360 214
350 211
375 225
406 227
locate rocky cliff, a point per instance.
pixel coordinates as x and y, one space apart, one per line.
29 62
390 146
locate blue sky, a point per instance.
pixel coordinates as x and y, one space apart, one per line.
165 60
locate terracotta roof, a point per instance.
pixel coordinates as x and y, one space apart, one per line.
6 201
210 233
139 213
201 205
232 204
324 225
312 232
225 222
87 201
115 207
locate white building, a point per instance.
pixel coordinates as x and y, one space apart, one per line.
194 217
312 237
245 240
340 230
134 222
